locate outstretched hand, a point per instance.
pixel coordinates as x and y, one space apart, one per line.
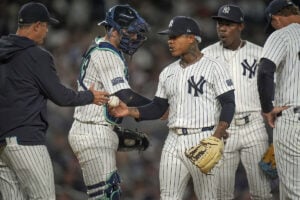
119 111
271 116
100 97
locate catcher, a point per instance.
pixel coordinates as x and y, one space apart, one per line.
92 137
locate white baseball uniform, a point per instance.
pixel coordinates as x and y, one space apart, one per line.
248 139
194 112
283 49
92 137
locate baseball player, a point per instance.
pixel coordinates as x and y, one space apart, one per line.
28 79
281 56
200 95
91 136
248 139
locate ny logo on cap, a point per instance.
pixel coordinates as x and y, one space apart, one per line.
226 10
171 23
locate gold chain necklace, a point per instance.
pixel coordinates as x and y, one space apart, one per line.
235 52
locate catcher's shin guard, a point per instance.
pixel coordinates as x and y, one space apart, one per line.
111 188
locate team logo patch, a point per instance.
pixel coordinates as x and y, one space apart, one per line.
226 10
251 68
117 80
196 86
171 23
229 82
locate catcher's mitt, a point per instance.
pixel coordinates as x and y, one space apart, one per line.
130 140
206 154
268 164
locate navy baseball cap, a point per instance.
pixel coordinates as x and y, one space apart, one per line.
231 13
181 25
274 7
33 12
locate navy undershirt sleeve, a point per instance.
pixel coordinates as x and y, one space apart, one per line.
228 106
265 83
131 98
153 110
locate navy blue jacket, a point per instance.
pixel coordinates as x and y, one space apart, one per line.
27 79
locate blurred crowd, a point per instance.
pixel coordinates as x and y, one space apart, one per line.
68 40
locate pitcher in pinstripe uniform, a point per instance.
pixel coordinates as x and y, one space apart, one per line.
248 137
281 56
200 95
92 137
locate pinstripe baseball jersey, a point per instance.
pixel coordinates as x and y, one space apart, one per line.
106 68
283 48
248 139
243 68
192 92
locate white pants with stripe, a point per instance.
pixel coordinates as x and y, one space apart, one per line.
26 172
287 153
246 143
95 147
176 169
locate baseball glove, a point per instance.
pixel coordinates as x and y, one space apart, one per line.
130 140
268 164
206 154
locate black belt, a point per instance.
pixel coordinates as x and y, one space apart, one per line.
186 131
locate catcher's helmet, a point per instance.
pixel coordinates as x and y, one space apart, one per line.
125 17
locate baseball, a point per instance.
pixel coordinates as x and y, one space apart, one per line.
113 101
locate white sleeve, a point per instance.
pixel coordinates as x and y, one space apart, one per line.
221 78
112 71
160 92
275 48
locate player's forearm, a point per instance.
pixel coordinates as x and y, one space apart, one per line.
228 106
153 110
133 112
265 83
220 131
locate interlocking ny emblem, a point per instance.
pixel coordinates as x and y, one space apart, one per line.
198 87
226 9
250 68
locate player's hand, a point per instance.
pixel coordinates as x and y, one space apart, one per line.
220 131
165 115
119 111
271 116
100 97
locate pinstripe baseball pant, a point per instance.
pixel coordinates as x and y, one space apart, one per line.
26 172
287 153
247 143
95 147
176 169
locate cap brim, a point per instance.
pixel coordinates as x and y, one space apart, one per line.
269 28
167 32
225 18
53 21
